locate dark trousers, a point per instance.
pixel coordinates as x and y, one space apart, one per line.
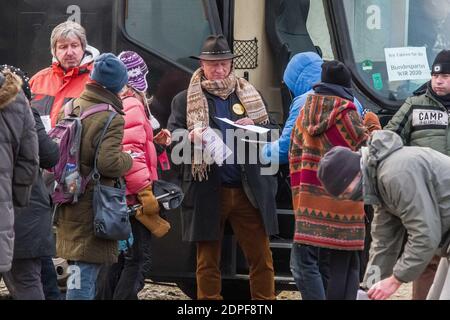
124 279
49 279
248 227
344 275
24 279
364 255
310 267
324 273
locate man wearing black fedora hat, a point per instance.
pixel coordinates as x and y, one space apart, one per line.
423 121
235 191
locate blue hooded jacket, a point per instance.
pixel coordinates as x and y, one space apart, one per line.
302 72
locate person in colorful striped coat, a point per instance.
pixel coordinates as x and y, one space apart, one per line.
325 226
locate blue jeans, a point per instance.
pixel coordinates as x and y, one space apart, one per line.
82 279
310 269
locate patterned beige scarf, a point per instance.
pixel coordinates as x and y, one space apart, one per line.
197 106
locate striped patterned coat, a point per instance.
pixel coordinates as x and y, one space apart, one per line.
321 220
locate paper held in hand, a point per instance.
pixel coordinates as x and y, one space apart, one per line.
214 146
47 122
362 295
255 141
253 128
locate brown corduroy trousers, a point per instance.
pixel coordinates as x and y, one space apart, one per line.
248 227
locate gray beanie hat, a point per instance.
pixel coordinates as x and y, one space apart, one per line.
338 168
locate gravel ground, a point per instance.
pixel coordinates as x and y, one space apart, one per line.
404 293
171 292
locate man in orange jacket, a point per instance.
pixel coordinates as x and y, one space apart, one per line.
52 87
65 78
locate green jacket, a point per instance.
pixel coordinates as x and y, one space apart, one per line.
422 121
75 223
408 187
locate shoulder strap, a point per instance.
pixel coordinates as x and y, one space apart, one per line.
96 174
95 109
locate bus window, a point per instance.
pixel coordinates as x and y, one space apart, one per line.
395 42
173 28
299 25
317 27
429 25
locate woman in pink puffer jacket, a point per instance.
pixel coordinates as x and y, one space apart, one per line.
138 140
124 280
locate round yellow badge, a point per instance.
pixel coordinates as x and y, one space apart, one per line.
238 109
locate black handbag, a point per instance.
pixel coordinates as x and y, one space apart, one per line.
111 220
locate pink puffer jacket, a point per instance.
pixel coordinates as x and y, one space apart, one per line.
138 138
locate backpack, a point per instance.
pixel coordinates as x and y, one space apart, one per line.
70 184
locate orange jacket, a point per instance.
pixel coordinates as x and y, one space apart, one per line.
53 87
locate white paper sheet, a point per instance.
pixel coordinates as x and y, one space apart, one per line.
215 147
362 295
253 128
47 123
407 63
254 141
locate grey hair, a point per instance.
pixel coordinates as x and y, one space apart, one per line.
65 30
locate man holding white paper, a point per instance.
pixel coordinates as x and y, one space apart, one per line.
235 191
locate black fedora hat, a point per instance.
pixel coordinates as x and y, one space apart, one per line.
215 47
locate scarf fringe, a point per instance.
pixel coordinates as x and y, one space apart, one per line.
200 171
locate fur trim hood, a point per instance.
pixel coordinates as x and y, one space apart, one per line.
10 86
